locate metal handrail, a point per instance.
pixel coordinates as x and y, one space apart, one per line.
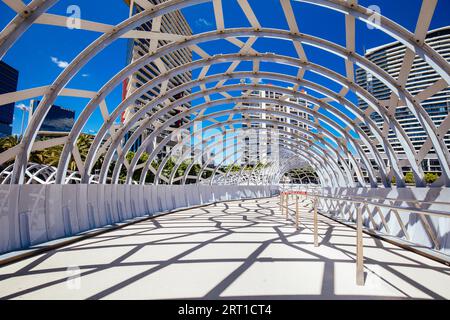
359 205
382 205
401 200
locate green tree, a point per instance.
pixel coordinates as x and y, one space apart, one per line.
51 156
168 168
409 178
431 177
233 168
8 143
84 143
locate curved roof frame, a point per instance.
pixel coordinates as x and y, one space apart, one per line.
297 172
375 104
313 154
311 112
26 17
186 154
206 151
416 168
301 174
290 165
312 99
275 169
226 112
309 144
274 176
301 147
177 103
359 113
290 146
377 132
300 153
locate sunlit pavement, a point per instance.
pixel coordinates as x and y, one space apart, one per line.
234 250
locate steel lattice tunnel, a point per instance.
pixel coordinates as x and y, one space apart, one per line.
341 152
185 119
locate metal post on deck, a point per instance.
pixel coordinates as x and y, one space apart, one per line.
287 206
297 213
281 202
316 231
359 247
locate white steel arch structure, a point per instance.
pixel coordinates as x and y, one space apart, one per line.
332 145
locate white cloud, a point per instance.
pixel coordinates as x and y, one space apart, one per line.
22 106
204 22
85 75
60 63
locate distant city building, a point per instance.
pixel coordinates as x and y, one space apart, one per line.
9 78
277 107
250 121
58 119
390 58
172 23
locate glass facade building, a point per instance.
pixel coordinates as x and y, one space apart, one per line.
58 119
172 23
9 78
390 58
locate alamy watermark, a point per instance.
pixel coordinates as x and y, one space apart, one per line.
73 281
74 19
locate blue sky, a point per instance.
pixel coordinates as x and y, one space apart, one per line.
37 54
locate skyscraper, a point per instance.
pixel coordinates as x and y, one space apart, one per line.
9 78
172 23
276 107
389 57
261 139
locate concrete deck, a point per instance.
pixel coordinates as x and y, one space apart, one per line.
237 250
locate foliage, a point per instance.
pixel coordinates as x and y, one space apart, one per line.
8 142
50 156
429 178
233 168
409 178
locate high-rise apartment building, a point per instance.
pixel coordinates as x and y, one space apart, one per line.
260 140
276 107
9 78
173 23
389 57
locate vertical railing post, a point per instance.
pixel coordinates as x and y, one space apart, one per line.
297 213
359 247
316 231
281 202
287 206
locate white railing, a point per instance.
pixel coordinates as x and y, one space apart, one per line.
362 203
